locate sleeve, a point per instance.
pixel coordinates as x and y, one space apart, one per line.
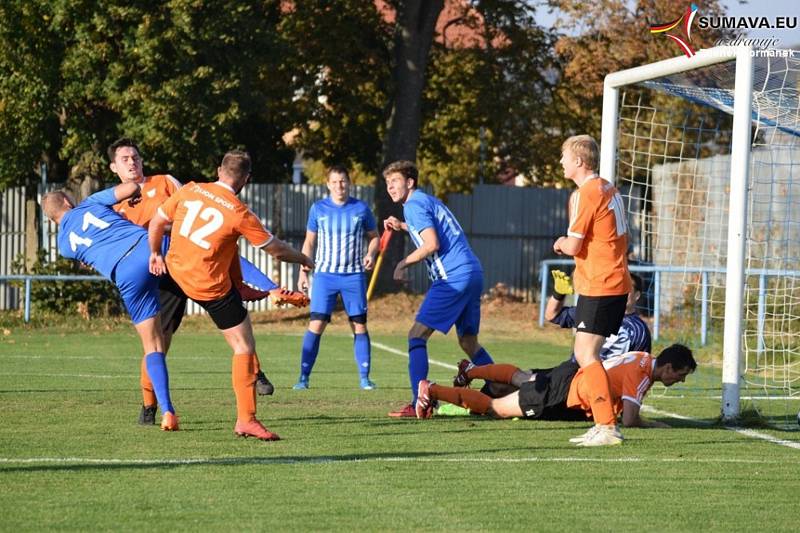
254 231
418 215
582 210
104 197
565 318
635 385
312 218
168 208
172 184
369 219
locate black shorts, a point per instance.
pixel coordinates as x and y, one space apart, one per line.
173 304
601 315
228 311
546 397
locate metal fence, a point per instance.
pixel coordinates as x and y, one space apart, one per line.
511 229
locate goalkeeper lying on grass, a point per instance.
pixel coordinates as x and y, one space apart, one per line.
560 393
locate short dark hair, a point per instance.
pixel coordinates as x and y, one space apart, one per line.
406 168
679 356
237 164
637 282
338 169
119 143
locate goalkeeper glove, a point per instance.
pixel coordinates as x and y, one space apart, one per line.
562 285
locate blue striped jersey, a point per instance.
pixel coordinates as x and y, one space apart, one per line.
455 257
633 334
93 233
341 231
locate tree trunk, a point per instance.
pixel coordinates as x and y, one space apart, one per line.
416 24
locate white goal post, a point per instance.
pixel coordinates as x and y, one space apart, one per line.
740 153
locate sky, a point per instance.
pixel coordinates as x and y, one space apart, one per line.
788 38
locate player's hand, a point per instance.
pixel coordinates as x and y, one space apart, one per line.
302 281
557 245
393 223
562 283
369 261
157 265
401 272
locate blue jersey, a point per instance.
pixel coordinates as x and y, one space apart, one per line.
95 234
633 334
454 257
341 230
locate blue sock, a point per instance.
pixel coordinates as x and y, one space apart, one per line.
417 364
157 370
482 357
362 353
310 351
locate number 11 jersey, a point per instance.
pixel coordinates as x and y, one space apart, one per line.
207 221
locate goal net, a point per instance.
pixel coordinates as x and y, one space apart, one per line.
706 152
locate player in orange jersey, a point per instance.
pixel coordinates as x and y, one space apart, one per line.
207 220
563 392
598 240
126 163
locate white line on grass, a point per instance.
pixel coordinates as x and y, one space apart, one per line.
745 432
92 376
80 461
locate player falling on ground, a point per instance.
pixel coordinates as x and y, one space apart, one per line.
597 239
563 392
454 297
207 221
338 226
126 162
93 233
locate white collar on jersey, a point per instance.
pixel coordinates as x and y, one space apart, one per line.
225 185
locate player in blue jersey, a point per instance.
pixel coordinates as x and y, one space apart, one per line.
339 225
93 233
454 297
633 334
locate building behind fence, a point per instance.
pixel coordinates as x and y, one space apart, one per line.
511 230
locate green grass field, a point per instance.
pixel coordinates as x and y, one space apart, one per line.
72 456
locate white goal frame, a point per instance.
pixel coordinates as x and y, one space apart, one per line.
739 178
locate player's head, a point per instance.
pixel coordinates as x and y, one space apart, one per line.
580 156
126 161
635 294
55 204
338 183
674 364
401 179
235 169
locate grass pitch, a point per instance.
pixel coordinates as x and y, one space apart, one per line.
72 456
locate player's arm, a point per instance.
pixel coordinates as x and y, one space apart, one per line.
430 245
394 223
308 249
568 245
632 418
127 191
283 252
155 235
562 286
372 250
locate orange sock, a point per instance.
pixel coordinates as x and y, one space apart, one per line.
475 401
596 381
148 396
244 386
496 372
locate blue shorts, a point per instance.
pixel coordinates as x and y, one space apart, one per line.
453 302
137 286
352 287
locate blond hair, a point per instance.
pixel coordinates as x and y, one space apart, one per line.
585 147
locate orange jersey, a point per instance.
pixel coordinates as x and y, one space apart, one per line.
207 221
597 215
630 376
155 191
